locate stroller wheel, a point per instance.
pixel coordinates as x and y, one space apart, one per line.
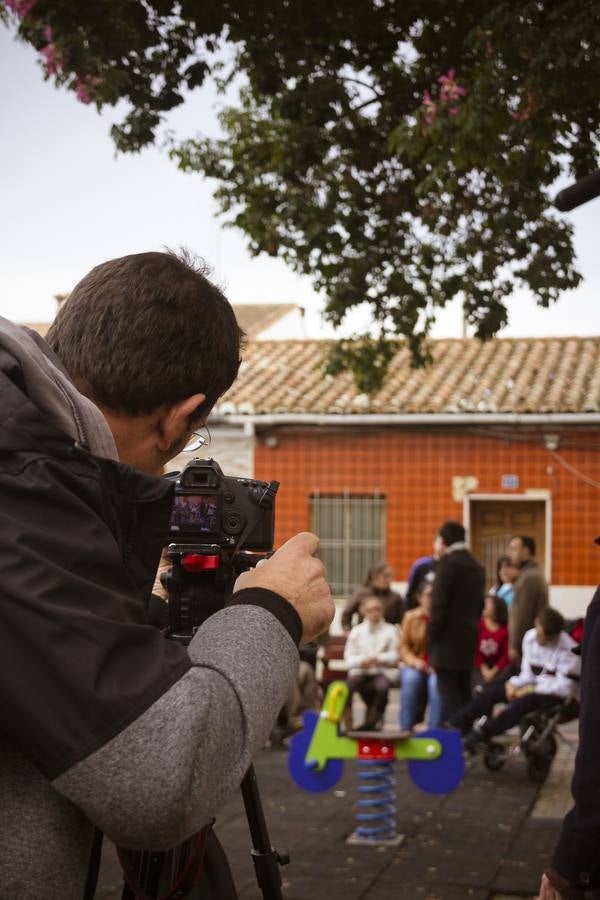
538 767
494 758
549 747
545 749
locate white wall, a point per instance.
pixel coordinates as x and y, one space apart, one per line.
571 600
231 447
290 327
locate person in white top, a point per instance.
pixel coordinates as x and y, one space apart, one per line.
371 648
549 674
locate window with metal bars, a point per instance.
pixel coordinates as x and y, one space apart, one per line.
352 532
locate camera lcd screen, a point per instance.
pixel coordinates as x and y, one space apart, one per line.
195 512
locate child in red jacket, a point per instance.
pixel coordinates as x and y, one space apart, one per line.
491 656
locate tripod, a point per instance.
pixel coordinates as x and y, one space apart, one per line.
196 590
181 867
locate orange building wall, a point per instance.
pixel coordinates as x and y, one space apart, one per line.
414 469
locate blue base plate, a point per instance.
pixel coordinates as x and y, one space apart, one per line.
444 774
306 778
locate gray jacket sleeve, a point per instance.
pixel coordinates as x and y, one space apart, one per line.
166 774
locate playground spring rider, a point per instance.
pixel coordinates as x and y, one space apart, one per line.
317 753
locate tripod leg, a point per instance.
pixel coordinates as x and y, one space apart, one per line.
143 868
266 859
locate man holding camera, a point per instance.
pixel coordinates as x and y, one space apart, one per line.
105 723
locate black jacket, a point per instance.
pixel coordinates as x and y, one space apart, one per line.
577 855
59 503
456 607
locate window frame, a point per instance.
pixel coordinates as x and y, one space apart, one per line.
357 552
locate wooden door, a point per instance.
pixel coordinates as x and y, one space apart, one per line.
495 522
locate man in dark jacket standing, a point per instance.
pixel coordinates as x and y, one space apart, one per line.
456 606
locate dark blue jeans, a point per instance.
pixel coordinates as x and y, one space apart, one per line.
414 684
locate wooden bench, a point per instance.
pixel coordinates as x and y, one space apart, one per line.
331 665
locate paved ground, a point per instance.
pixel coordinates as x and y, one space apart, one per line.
489 839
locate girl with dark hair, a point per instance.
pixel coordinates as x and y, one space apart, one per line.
377 583
505 575
491 656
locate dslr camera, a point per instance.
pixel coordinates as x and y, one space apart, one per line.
220 526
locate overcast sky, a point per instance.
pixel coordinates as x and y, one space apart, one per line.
68 202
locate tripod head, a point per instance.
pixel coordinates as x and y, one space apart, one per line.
199 582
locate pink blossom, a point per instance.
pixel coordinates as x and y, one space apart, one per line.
449 76
48 33
86 84
82 93
52 59
21 7
450 93
430 107
450 90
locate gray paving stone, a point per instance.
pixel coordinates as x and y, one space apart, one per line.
520 871
465 845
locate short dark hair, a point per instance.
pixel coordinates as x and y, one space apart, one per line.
148 329
551 621
452 532
528 542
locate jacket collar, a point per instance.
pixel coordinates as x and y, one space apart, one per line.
37 394
457 545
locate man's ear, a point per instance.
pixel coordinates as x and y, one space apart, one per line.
173 421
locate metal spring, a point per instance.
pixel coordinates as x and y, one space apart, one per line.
377 800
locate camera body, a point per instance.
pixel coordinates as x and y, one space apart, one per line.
218 526
222 511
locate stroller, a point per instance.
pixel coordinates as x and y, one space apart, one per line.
537 730
537 740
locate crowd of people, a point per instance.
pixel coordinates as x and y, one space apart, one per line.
451 646
471 659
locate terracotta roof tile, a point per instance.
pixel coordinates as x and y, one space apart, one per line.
506 375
